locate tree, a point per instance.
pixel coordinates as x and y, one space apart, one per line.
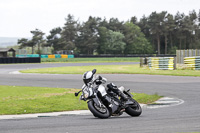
162 31
194 29
136 43
70 33
197 32
37 39
145 28
26 43
87 37
23 42
102 38
171 28
114 43
179 28
134 20
155 22
103 23
54 40
115 25
167 29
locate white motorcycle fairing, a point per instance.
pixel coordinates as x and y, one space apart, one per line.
102 90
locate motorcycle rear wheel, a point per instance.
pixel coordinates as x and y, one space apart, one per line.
100 112
134 110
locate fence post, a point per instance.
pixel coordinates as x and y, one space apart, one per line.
174 63
183 55
145 60
196 52
178 55
141 61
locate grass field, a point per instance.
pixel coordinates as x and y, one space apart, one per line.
74 60
111 69
24 100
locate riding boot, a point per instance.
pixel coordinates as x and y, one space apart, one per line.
114 88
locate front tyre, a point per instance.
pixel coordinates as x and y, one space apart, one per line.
135 109
100 112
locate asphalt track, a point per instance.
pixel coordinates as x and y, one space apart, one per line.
181 118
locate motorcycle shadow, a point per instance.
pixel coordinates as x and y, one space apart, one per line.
112 117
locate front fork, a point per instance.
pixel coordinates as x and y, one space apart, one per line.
97 100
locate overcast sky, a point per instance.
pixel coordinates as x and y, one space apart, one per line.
19 17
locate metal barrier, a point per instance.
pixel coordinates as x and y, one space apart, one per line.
192 62
161 63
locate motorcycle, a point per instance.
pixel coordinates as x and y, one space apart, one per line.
104 102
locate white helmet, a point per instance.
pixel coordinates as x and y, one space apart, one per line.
88 76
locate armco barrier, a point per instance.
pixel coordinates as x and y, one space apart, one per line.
20 60
161 63
192 62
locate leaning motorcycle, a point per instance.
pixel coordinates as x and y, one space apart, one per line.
104 103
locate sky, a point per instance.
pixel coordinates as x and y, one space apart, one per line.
19 17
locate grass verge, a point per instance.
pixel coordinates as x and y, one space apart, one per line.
25 100
86 60
111 69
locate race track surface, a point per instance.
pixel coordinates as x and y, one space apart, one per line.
174 119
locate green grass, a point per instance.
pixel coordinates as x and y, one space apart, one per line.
86 60
145 98
189 132
24 100
111 69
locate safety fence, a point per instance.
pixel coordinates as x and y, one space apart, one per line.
161 63
181 54
47 56
192 62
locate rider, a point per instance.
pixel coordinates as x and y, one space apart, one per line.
88 78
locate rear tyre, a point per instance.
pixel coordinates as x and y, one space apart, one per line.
100 112
135 109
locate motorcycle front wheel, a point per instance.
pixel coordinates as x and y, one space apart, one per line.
135 109
100 112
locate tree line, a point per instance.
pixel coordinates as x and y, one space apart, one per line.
159 33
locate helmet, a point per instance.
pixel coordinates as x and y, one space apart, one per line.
87 77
